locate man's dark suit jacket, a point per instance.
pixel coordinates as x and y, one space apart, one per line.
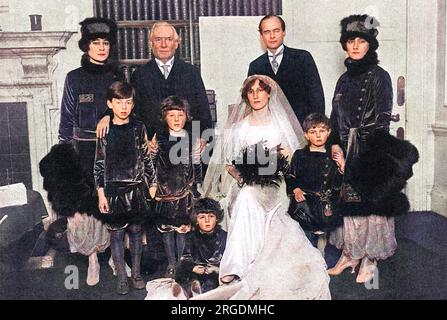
151 88
299 79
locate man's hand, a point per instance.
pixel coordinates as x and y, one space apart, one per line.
299 195
103 127
197 150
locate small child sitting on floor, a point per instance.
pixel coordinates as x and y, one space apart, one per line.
204 250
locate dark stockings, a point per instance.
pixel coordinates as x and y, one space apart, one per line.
135 246
174 244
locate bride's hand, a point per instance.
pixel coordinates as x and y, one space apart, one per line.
288 153
234 173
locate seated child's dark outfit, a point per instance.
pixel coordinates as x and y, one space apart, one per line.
317 175
206 250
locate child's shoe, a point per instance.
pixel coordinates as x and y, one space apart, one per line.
123 285
137 282
170 272
112 265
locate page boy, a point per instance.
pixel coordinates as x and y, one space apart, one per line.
178 169
314 180
123 174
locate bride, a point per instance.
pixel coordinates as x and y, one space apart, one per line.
268 255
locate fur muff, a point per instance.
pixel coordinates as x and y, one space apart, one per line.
380 173
69 190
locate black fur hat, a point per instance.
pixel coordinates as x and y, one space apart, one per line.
94 28
207 205
362 26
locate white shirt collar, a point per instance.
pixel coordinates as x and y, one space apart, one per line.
170 63
179 134
281 48
279 57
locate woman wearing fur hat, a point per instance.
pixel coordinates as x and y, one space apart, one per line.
83 104
362 106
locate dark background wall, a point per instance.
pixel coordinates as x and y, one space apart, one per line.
135 18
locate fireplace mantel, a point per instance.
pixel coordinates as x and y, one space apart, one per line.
33 49
13 43
26 76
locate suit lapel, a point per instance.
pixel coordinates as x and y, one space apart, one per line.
154 69
153 84
268 70
284 63
174 68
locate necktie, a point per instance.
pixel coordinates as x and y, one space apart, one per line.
275 64
165 70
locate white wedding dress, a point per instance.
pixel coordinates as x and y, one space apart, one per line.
266 248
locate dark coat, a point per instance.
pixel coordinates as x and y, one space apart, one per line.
298 77
84 100
83 104
202 249
312 172
317 175
362 101
123 157
124 168
378 164
175 179
184 81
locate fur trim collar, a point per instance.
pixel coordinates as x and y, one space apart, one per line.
358 67
96 68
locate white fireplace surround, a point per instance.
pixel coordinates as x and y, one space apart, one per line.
27 66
